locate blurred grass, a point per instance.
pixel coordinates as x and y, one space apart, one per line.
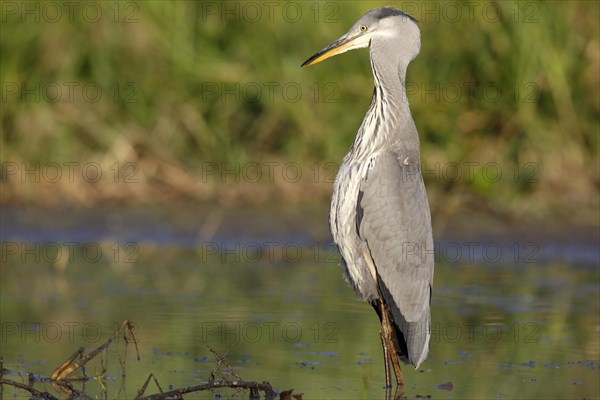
187 84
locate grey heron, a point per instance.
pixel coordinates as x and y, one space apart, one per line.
379 216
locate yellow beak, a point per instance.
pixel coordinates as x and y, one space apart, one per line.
341 45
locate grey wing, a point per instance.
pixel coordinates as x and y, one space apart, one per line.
393 220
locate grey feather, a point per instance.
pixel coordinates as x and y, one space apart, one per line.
395 224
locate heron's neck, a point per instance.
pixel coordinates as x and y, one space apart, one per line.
388 124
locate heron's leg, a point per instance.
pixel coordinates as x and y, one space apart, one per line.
387 336
378 307
399 393
390 351
386 359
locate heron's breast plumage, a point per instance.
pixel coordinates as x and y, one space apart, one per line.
343 225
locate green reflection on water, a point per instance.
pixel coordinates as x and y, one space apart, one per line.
526 331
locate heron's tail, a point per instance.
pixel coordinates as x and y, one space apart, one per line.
413 341
412 338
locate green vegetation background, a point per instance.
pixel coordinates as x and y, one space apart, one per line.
192 89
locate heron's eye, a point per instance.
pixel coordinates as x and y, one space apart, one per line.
363 28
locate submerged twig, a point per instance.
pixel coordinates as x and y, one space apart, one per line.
65 387
289 395
217 384
213 383
69 366
221 360
34 392
143 389
61 368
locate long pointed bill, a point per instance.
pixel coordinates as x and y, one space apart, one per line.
340 46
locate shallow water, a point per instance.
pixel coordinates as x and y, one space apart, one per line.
515 314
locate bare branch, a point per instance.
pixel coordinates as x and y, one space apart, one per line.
69 366
34 392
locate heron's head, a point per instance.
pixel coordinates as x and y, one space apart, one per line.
387 29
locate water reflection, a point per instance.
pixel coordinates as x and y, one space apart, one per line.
527 330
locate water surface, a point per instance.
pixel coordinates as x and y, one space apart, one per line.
515 313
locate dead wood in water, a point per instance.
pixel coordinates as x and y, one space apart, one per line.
213 383
66 368
62 382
